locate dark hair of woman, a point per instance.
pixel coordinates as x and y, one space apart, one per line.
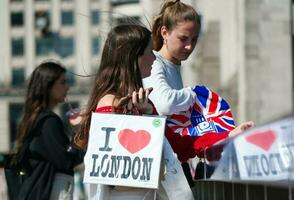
37 97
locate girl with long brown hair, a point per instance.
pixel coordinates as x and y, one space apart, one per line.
126 59
41 143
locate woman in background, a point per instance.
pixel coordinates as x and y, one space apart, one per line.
42 144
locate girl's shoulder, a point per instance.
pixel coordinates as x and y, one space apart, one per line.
47 115
161 63
106 100
50 117
105 105
104 109
158 58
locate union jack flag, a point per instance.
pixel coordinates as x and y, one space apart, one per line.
210 113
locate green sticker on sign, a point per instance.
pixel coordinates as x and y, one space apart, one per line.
156 123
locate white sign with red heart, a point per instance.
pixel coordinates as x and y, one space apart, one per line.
124 150
266 153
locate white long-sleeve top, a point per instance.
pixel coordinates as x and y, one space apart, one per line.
168 95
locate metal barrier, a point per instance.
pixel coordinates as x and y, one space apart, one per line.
218 190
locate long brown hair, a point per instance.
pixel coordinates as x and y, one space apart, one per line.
119 72
37 97
171 13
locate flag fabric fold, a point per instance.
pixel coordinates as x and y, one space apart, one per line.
209 113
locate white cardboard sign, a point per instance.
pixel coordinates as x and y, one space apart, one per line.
124 150
267 153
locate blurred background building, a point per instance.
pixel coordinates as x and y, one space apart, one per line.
245 51
71 31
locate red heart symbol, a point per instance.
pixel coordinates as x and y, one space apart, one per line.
133 141
263 139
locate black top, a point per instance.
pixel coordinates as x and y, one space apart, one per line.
50 143
47 155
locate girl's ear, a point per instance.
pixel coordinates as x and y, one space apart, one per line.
163 32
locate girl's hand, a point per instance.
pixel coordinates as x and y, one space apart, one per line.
74 116
241 128
140 101
74 121
121 102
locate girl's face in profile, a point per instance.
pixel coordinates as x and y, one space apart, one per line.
181 41
59 90
146 60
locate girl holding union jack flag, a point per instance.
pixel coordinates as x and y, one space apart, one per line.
198 115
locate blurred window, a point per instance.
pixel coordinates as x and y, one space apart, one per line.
15 112
95 17
67 17
44 46
128 20
18 77
42 20
70 76
66 47
16 18
95 45
17 46
120 2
